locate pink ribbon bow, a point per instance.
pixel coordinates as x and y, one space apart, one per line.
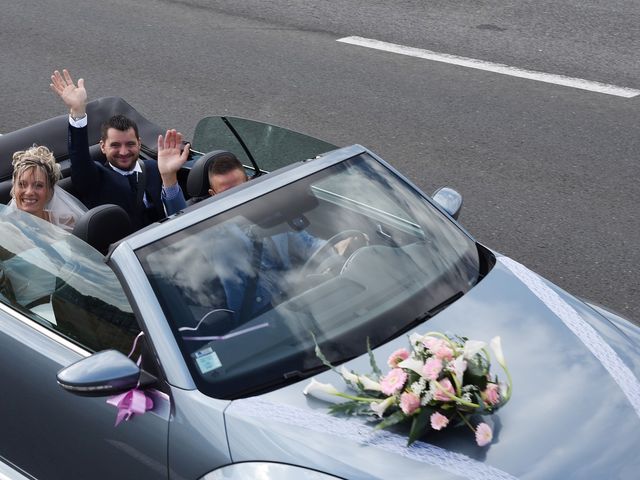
128 403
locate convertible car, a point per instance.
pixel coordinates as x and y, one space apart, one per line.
214 314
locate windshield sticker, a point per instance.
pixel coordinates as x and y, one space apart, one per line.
207 360
607 356
358 431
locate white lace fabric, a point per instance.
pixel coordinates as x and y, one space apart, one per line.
355 430
607 356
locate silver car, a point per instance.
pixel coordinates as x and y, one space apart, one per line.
215 314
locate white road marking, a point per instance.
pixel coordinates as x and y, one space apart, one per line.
493 67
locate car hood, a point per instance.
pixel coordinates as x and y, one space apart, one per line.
574 412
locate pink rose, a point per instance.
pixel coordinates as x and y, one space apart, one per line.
492 394
440 395
409 402
432 368
393 382
439 421
438 347
432 343
444 352
397 356
484 435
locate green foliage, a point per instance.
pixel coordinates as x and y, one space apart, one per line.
372 360
420 424
393 419
351 408
476 373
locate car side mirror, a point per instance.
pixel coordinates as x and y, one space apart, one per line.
449 200
104 373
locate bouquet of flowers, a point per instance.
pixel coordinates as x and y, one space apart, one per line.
444 380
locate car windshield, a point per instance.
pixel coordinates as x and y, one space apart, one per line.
346 254
61 283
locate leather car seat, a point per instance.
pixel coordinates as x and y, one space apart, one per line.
103 225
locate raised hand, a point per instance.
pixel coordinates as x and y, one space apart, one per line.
170 156
75 97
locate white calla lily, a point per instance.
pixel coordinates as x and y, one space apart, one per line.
472 347
412 364
365 381
459 366
369 384
380 407
496 346
415 338
323 391
348 376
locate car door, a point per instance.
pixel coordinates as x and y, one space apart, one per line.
59 302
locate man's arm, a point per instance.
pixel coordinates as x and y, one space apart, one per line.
84 173
170 160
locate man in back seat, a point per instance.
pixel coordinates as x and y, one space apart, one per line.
125 180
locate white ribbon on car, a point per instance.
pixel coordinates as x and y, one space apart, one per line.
607 356
357 431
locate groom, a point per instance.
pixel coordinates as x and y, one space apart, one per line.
125 180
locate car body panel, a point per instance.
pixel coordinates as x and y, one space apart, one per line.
40 417
197 435
557 423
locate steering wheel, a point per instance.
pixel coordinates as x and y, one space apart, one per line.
326 260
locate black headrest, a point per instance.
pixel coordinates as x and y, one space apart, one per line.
103 225
5 192
198 179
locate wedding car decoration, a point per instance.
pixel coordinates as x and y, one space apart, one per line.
443 381
134 401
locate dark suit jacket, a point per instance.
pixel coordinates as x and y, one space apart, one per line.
98 184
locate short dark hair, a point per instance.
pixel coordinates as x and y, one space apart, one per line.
225 165
119 122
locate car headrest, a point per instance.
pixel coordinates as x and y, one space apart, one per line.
95 152
5 192
103 225
198 179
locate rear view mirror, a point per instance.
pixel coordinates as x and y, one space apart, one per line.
104 373
449 200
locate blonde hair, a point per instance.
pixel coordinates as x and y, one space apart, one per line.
39 157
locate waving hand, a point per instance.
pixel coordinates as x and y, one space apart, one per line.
75 97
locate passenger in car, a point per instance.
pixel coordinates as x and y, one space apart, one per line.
35 190
125 180
253 269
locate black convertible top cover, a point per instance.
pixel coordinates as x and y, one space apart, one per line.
53 132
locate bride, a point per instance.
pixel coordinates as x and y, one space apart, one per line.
35 189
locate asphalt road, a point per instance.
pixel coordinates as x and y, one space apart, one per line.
549 174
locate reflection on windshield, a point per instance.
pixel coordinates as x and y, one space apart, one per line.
347 253
61 282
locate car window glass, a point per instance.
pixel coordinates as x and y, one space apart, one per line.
356 190
249 291
271 147
62 283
